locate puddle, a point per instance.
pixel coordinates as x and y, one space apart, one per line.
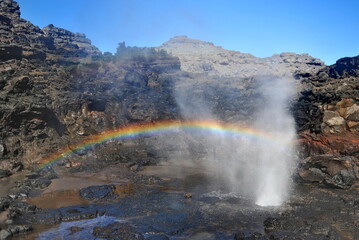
57 199
112 174
7 185
125 189
72 183
82 229
71 197
37 229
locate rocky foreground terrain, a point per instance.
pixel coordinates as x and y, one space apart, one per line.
56 89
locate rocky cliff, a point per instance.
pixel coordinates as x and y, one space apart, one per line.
52 92
197 56
21 39
55 88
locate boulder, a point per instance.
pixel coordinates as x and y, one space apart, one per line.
353 115
98 193
2 150
345 103
19 229
4 173
332 170
5 234
333 122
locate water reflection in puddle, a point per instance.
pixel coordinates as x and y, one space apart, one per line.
7 185
57 199
66 198
78 229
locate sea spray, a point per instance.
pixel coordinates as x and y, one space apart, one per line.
275 161
255 169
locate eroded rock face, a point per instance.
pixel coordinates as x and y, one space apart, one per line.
70 44
345 67
44 103
10 8
331 106
21 39
204 57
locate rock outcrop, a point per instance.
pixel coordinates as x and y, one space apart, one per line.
204 57
328 107
344 67
335 171
21 39
70 44
55 87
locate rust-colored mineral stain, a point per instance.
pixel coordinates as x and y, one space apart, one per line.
57 199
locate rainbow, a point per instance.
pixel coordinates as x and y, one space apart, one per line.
160 127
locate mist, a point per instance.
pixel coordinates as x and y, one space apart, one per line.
257 168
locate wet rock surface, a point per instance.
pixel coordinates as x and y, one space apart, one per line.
117 231
4 173
98 193
152 212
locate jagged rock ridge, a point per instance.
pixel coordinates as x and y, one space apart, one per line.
203 57
21 39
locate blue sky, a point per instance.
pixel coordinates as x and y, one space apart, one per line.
326 29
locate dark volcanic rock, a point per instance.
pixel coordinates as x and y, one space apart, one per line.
4 173
21 39
39 179
117 231
272 224
157 237
4 203
10 8
335 171
239 236
48 99
69 44
344 67
98 193
10 52
22 207
19 229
